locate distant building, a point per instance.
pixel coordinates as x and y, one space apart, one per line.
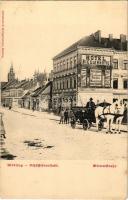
11 74
40 99
87 69
13 92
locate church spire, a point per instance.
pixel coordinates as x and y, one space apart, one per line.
11 74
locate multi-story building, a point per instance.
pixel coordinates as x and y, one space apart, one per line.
87 69
12 94
120 75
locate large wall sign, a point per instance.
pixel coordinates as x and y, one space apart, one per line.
96 60
95 77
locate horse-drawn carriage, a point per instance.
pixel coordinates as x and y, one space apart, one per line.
86 117
103 112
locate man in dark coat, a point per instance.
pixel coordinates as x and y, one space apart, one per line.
90 104
91 110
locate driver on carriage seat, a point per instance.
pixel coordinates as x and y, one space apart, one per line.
91 110
90 104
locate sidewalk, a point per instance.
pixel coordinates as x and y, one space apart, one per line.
39 114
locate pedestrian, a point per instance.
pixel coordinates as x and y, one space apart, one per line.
68 120
66 116
61 116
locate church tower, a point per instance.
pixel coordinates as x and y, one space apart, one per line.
11 74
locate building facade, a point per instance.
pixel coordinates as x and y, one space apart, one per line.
120 76
87 69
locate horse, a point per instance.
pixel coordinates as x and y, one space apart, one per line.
119 117
107 112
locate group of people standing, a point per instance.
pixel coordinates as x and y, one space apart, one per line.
65 116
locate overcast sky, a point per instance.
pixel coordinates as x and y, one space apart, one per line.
36 31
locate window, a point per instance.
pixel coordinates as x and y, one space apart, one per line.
64 64
60 86
125 84
60 66
115 84
67 63
74 83
57 67
115 64
63 84
125 64
70 62
75 61
70 82
57 86
67 84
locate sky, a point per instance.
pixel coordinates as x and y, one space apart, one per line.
35 31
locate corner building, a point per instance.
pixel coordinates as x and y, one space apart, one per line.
85 69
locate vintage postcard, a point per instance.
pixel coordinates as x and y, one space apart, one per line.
64 100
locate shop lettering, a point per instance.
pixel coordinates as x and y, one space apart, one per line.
96 60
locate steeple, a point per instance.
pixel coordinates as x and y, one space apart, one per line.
11 74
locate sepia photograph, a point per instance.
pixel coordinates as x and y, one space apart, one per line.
64 86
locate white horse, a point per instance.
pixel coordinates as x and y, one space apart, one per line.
120 116
108 113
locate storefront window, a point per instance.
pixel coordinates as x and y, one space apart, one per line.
115 84
125 84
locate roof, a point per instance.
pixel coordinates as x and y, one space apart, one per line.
43 89
92 41
18 84
9 84
3 84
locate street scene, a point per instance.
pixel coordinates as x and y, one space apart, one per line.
39 136
63 84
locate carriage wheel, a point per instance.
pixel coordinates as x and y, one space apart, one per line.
85 124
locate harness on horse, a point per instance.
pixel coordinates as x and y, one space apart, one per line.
110 113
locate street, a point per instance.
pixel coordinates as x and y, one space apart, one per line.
39 136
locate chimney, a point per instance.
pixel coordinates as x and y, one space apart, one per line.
110 37
122 38
97 36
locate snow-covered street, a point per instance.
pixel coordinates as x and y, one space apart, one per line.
38 136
